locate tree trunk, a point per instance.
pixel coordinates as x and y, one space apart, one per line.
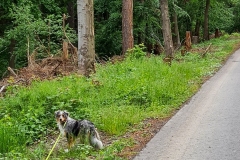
127 25
86 44
71 19
206 31
166 29
176 37
12 55
197 28
217 33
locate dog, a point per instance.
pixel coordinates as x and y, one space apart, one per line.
73 129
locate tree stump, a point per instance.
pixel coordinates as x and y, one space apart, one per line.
188 43
65 51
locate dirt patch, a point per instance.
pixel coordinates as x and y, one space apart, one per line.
142 136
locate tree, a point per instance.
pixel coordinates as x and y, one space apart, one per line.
86 44
176 36
127 25
166 29
206 30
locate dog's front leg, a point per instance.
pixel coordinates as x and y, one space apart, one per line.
70 140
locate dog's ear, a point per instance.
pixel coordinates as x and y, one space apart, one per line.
66 112
56 113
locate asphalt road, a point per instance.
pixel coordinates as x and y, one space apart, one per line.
208 127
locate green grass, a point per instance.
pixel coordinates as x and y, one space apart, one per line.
115 98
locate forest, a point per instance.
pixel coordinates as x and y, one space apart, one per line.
30 27
132 92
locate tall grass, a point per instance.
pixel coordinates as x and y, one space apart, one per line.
117 96
11 138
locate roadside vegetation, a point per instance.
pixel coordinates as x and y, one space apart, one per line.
116 98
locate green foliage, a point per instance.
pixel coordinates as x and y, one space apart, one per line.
221 17
236 18
108 26
146 21
137 52
32 33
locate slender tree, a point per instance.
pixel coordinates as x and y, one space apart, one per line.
206 14
86 44
166 29
127 25
176 36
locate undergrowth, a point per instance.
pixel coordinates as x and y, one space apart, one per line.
115 98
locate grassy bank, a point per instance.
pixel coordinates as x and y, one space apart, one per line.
115 98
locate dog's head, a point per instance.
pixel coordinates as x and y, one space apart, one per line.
61 116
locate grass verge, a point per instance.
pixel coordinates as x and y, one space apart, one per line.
116 98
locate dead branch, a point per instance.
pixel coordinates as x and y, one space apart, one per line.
28 52
56 67
205 52
2 88
11 70
64 32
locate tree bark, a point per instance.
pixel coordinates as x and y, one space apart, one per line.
176 37
127 25
86 43
206 31
166 29
188 42
12 55
71 19
197 28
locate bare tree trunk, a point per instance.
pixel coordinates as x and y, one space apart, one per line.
86 44
127 25
206 31
166 29
12 55
197 28
176 37
70 9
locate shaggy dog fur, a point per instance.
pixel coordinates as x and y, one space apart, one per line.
73 129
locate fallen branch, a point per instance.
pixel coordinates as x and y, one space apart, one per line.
56 67
64 31
2 88
11 70
205 52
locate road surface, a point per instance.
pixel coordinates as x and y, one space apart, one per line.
208 127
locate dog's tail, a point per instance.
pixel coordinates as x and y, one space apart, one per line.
97 134
95 138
